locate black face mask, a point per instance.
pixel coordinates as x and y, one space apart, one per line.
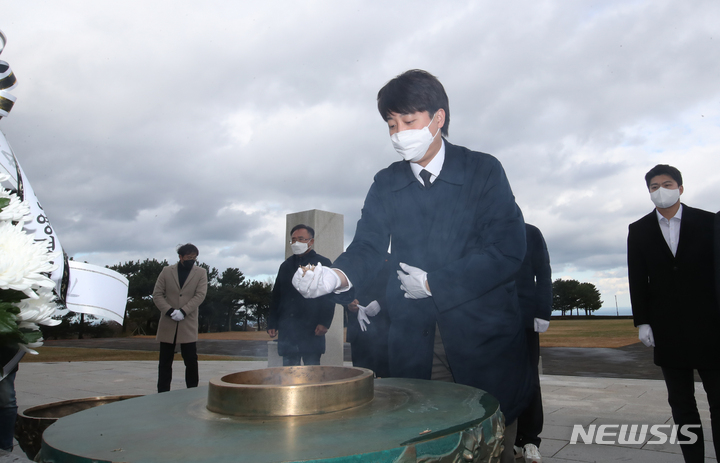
188 263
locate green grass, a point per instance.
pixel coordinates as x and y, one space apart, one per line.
590 332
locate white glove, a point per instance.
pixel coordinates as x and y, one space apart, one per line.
412 281
372 309
645 335
541 325
362 317
317 282
177 316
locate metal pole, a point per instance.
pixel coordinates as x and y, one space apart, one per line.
617 311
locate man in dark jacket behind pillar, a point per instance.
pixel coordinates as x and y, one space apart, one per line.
299 323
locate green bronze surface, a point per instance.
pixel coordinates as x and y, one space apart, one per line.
407 421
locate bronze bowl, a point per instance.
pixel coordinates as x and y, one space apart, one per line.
290 391
32 422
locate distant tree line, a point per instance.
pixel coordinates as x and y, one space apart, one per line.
232 302
569 295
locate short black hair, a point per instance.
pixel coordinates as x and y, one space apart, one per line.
663 169
186 249
301 226
414 91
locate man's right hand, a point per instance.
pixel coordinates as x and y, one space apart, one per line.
316 282
272 333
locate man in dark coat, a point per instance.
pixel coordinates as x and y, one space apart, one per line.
672 277
458 239
299 323
368 324
534 285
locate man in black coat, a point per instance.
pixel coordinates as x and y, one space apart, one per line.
672 291
534 286
299 323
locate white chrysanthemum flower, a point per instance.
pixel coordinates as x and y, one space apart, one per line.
16 211
23 261
34 312
29 346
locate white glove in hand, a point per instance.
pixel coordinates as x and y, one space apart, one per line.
541 325
412 281
177 316
317 282
372 309
645 335
362 317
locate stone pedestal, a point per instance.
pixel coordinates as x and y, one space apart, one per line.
329 228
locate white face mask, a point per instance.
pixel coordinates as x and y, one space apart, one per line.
664 198
299 248
413 144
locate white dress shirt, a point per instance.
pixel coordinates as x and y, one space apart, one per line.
434 166
670 229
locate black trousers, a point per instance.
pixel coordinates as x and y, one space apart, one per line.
680 384
190 358
530 421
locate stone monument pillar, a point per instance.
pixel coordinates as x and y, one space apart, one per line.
329 228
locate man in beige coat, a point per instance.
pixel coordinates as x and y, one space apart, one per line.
179 291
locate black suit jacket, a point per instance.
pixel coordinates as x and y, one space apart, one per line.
676 295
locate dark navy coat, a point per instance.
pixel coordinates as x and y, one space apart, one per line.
467 232
295 317
369 348
534 280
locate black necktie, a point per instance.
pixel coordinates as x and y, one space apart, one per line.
425 176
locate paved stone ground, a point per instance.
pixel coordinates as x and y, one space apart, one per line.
634 361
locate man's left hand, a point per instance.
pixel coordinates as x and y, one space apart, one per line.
413 281
541 325
320 330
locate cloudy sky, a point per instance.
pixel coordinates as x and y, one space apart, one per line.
142 125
